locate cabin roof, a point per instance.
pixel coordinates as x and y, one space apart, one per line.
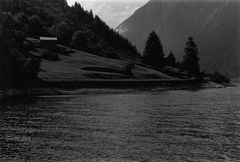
49 38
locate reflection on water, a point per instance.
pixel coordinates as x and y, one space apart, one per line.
148 126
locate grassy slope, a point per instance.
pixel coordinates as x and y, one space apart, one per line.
71 68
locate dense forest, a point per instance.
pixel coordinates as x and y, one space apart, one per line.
55 18
72 25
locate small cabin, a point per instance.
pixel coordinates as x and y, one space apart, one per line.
48 42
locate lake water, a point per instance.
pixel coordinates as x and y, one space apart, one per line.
201 125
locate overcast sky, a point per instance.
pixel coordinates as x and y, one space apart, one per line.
113 12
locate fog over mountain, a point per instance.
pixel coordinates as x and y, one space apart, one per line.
118 9
215 25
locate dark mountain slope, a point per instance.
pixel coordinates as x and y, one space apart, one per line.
214 24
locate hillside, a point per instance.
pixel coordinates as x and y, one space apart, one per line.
86 48
214 25
73 27
35 18
78 65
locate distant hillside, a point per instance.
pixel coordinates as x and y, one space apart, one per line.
215 25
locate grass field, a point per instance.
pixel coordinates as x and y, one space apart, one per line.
79 65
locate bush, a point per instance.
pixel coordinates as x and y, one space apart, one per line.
32 67
219 78
128 69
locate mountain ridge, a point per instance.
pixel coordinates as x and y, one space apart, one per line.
214 25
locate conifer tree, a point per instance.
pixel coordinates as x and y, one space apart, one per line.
170 59
191 59
153 53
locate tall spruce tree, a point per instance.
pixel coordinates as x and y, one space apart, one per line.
191 59
153 53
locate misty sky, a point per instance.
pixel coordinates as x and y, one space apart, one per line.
113 12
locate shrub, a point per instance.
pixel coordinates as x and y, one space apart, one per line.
219 78
128 69
32 67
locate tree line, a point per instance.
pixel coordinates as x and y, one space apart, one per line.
16 64
154 56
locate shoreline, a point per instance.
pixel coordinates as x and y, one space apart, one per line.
60 88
